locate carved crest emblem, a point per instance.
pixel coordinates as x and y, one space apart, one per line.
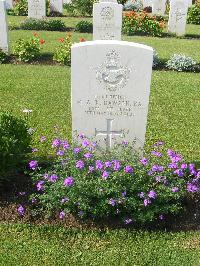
111 74
107 13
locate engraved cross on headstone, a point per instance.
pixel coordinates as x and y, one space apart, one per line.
108 133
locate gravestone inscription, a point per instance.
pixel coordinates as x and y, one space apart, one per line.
37 9
110 92
107 20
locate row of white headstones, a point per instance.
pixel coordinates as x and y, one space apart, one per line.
110 78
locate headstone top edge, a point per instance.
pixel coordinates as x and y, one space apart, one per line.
112 42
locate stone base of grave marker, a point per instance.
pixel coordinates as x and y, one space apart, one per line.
110 91
107 20
4 43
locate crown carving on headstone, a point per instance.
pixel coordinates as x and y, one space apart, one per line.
112 58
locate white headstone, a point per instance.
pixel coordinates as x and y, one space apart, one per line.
159 7
177 17
56 6
67 1
110 90
4 43
107 20
189 3
147 3
37 9
9 4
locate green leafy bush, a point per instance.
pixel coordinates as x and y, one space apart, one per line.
62 54
43 24
3 57
83 7
28 50
181 62
194 14
21 8
14 144
142 23
84 26
112 185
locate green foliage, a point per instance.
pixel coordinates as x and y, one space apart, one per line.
156 59
3 57
142 23
14 144
180 62
62 54
28 50
21 8
84 26
111 185
194 14
83 7
43 24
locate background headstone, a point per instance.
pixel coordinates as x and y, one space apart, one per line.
147 3
158 7
9 4
177 17
56 6
107 20
37 9
4 43
189 3
110 90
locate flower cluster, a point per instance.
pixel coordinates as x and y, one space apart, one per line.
142 23
117 184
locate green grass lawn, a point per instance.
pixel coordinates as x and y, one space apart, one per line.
48 245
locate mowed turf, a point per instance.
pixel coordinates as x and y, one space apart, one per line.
173 111
47 245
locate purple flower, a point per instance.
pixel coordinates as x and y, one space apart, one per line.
21 210
192 188
23 193
161 217
34 150
85 143
64 200
33 165
69 181
184 166
144 161
156 153
173 166
152 194
94 144
117 165
125 142
81 213
128 169
91 169
158 178
175 189
124 194
157 168
77 150
56 143
65 145
53 178
128 221
176 158
43 139
147 202
112 202
80 164
33 200
158 143
192 169
108 164
170 153
82 135
179 172
60 153
105 175
46 176
141 195
62 215
40 186
88 155
198 173
99 165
